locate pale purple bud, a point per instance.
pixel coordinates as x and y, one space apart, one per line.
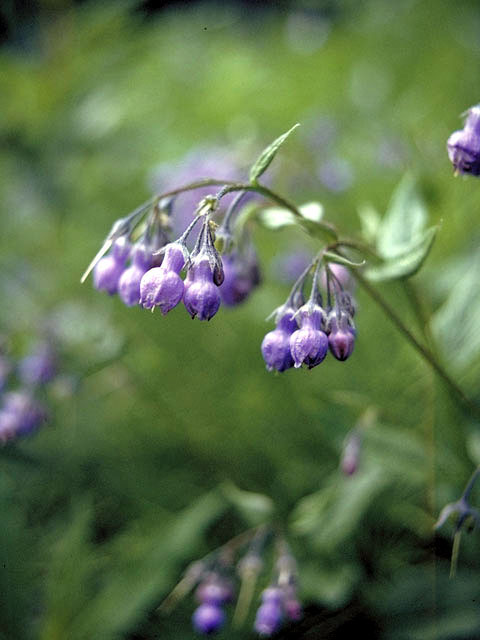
162 286
351 454
108 269
268 619
309 344
341 338
21 414
273 595
276 344
208 618
129 283
201 297
40 367
463 146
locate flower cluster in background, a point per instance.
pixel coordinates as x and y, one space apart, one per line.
22 385
242 558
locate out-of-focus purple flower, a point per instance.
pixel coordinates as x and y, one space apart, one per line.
288 266
214 590
341 337
309 344
276 344
108 269
207 161
208 618
241 276
201 296
351 453
129 283
162 286
336 174
341 274
463 146
20 415
40 367
270 614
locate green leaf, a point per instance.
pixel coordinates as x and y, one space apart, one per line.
455 325
334 257
405 264
370 221
267 155
256 508
278 217
311 211
403 222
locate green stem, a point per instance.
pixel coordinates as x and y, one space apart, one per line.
230 187
424 352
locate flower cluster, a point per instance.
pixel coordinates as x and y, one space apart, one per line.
305 331
148 271
21 412
213 579
463 146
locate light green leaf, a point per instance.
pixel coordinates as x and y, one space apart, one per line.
267 155
405 264
334 257
256 508
276 218
403 222
455 325
370 221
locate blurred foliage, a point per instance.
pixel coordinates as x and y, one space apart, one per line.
146 463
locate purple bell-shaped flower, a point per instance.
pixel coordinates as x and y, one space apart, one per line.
276 344
108 269
309 344
463 146
129 283
162 286
201 297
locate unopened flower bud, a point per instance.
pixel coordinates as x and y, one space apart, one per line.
309 344
463 146
208 618
108 269
276 344
129 283
201 297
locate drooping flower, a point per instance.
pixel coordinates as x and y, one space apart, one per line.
20 415
162 286
463 146
270 613
108 269
129 283
208 618
201 297
276 344
242 275
309 343
341 337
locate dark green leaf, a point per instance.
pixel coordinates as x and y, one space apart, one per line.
268 154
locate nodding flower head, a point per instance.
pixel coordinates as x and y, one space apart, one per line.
162 286
108 269
201 297
242 275
208 618
309 344
129 283
463 146
276 344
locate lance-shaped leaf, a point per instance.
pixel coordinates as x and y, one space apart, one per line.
267 155
334 257
405 264
403 222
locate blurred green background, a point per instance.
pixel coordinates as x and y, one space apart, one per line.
106 505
